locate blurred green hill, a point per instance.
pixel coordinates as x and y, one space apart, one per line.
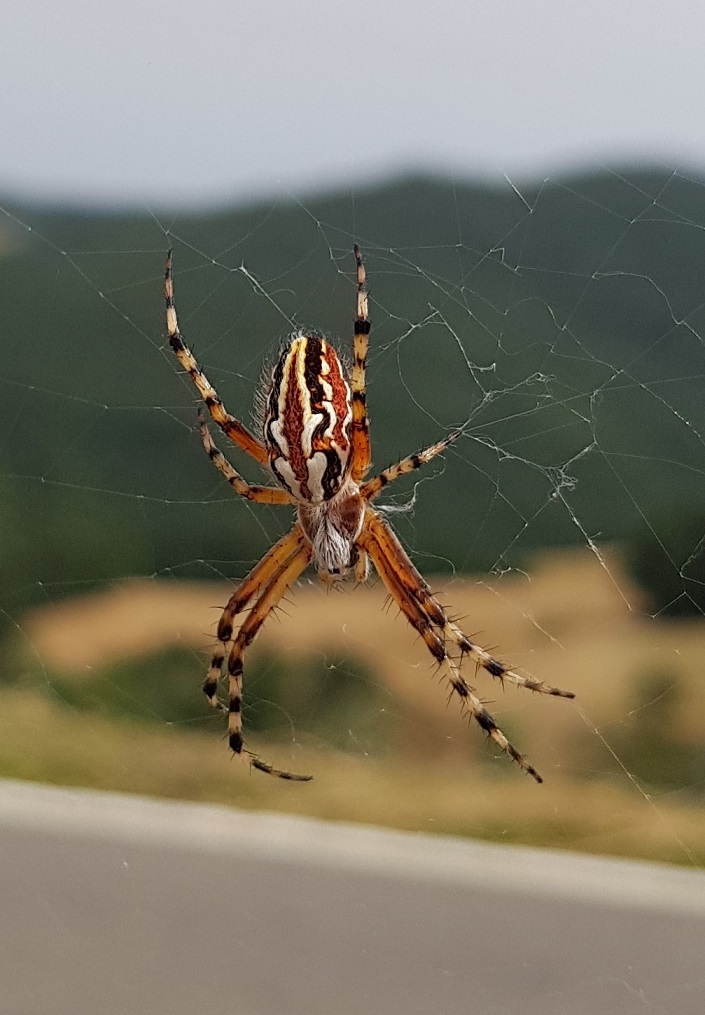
561 325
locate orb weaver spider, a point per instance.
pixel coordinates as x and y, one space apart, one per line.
316 443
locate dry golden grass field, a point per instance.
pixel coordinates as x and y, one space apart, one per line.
624 764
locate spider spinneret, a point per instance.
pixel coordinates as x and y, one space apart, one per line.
316 442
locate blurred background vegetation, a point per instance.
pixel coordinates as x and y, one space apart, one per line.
560 326
580 319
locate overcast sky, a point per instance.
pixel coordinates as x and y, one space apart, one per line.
197 102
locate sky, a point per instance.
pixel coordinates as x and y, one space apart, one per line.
195 103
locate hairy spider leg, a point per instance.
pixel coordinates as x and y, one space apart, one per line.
263 606
374 487
360 439
230 426
396 575
271 565
419 589
258 494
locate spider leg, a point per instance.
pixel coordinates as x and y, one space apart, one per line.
420 590
371 489
403 582
272 594
361 447
261 574
493 666
230 426
362 567
259 494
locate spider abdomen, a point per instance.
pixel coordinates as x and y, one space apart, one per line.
307 422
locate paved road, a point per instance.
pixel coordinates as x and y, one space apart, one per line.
122 905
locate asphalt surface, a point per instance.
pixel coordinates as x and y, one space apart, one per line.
123 905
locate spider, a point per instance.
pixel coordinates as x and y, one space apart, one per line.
316 442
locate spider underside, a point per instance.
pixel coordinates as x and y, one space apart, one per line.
316 442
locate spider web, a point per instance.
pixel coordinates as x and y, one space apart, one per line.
559 325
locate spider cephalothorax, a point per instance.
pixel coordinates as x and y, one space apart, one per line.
316 442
